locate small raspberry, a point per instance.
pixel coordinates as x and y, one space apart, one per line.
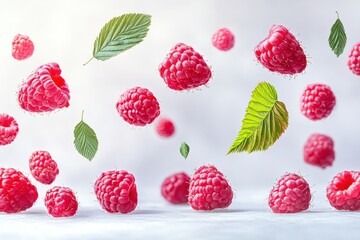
8 129
175 188
61 202
343 192
184 68
45 90
138 106
43 168
22 47
290 195
281 52
354 59
116 191
319 150
223 39
317 101
165 128
209 189
16 191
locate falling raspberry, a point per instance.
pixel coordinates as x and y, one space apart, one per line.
165 127
223 39
43 168
319 150
61 202
281 52
175 188
354 59
22 47
8 129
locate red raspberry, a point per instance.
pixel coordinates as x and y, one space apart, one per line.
290 195
354 59
8 129
175 188
43 168
45 90
61 202
281 52
343 192
138 106
116 191
165 127
16 191
184 68
317 101
22 47
319 150
209 189
223 39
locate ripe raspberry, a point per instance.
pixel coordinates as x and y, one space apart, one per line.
209 189
16 191
116 191
343 192
317 101
281 52
319 150
184 68
354 59
61 202
43 168
290 195
138 106
223 39
45 90
8 129
165 127
22 47
175 188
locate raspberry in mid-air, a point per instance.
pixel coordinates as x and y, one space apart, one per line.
43 168
61 202
16 191
354 59
165 127
22 47
8 129
209 189
45 90
281 52
317 101
138 106
319 150
175 188
290 195
223 39
184 68
343 192
116 191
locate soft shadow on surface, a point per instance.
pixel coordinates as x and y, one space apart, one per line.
146 211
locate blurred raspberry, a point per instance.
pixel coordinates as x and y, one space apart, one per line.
319 150
61 202
175 188
165 127
8 129
223 39
43 168
354 59
22 47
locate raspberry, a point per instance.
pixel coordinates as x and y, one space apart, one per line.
8 129
317 101
165 127
290 195
343 192
175 188
16 191
319 150
354 59
184 68
116 191
43 168
22 47
45 90
209 189
281 52
223 39
61 202
138 106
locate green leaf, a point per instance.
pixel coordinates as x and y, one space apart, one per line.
337 38
120 34
86 142
184 150
265 120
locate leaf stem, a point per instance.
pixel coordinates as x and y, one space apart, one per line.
82 115
88 61
337 14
